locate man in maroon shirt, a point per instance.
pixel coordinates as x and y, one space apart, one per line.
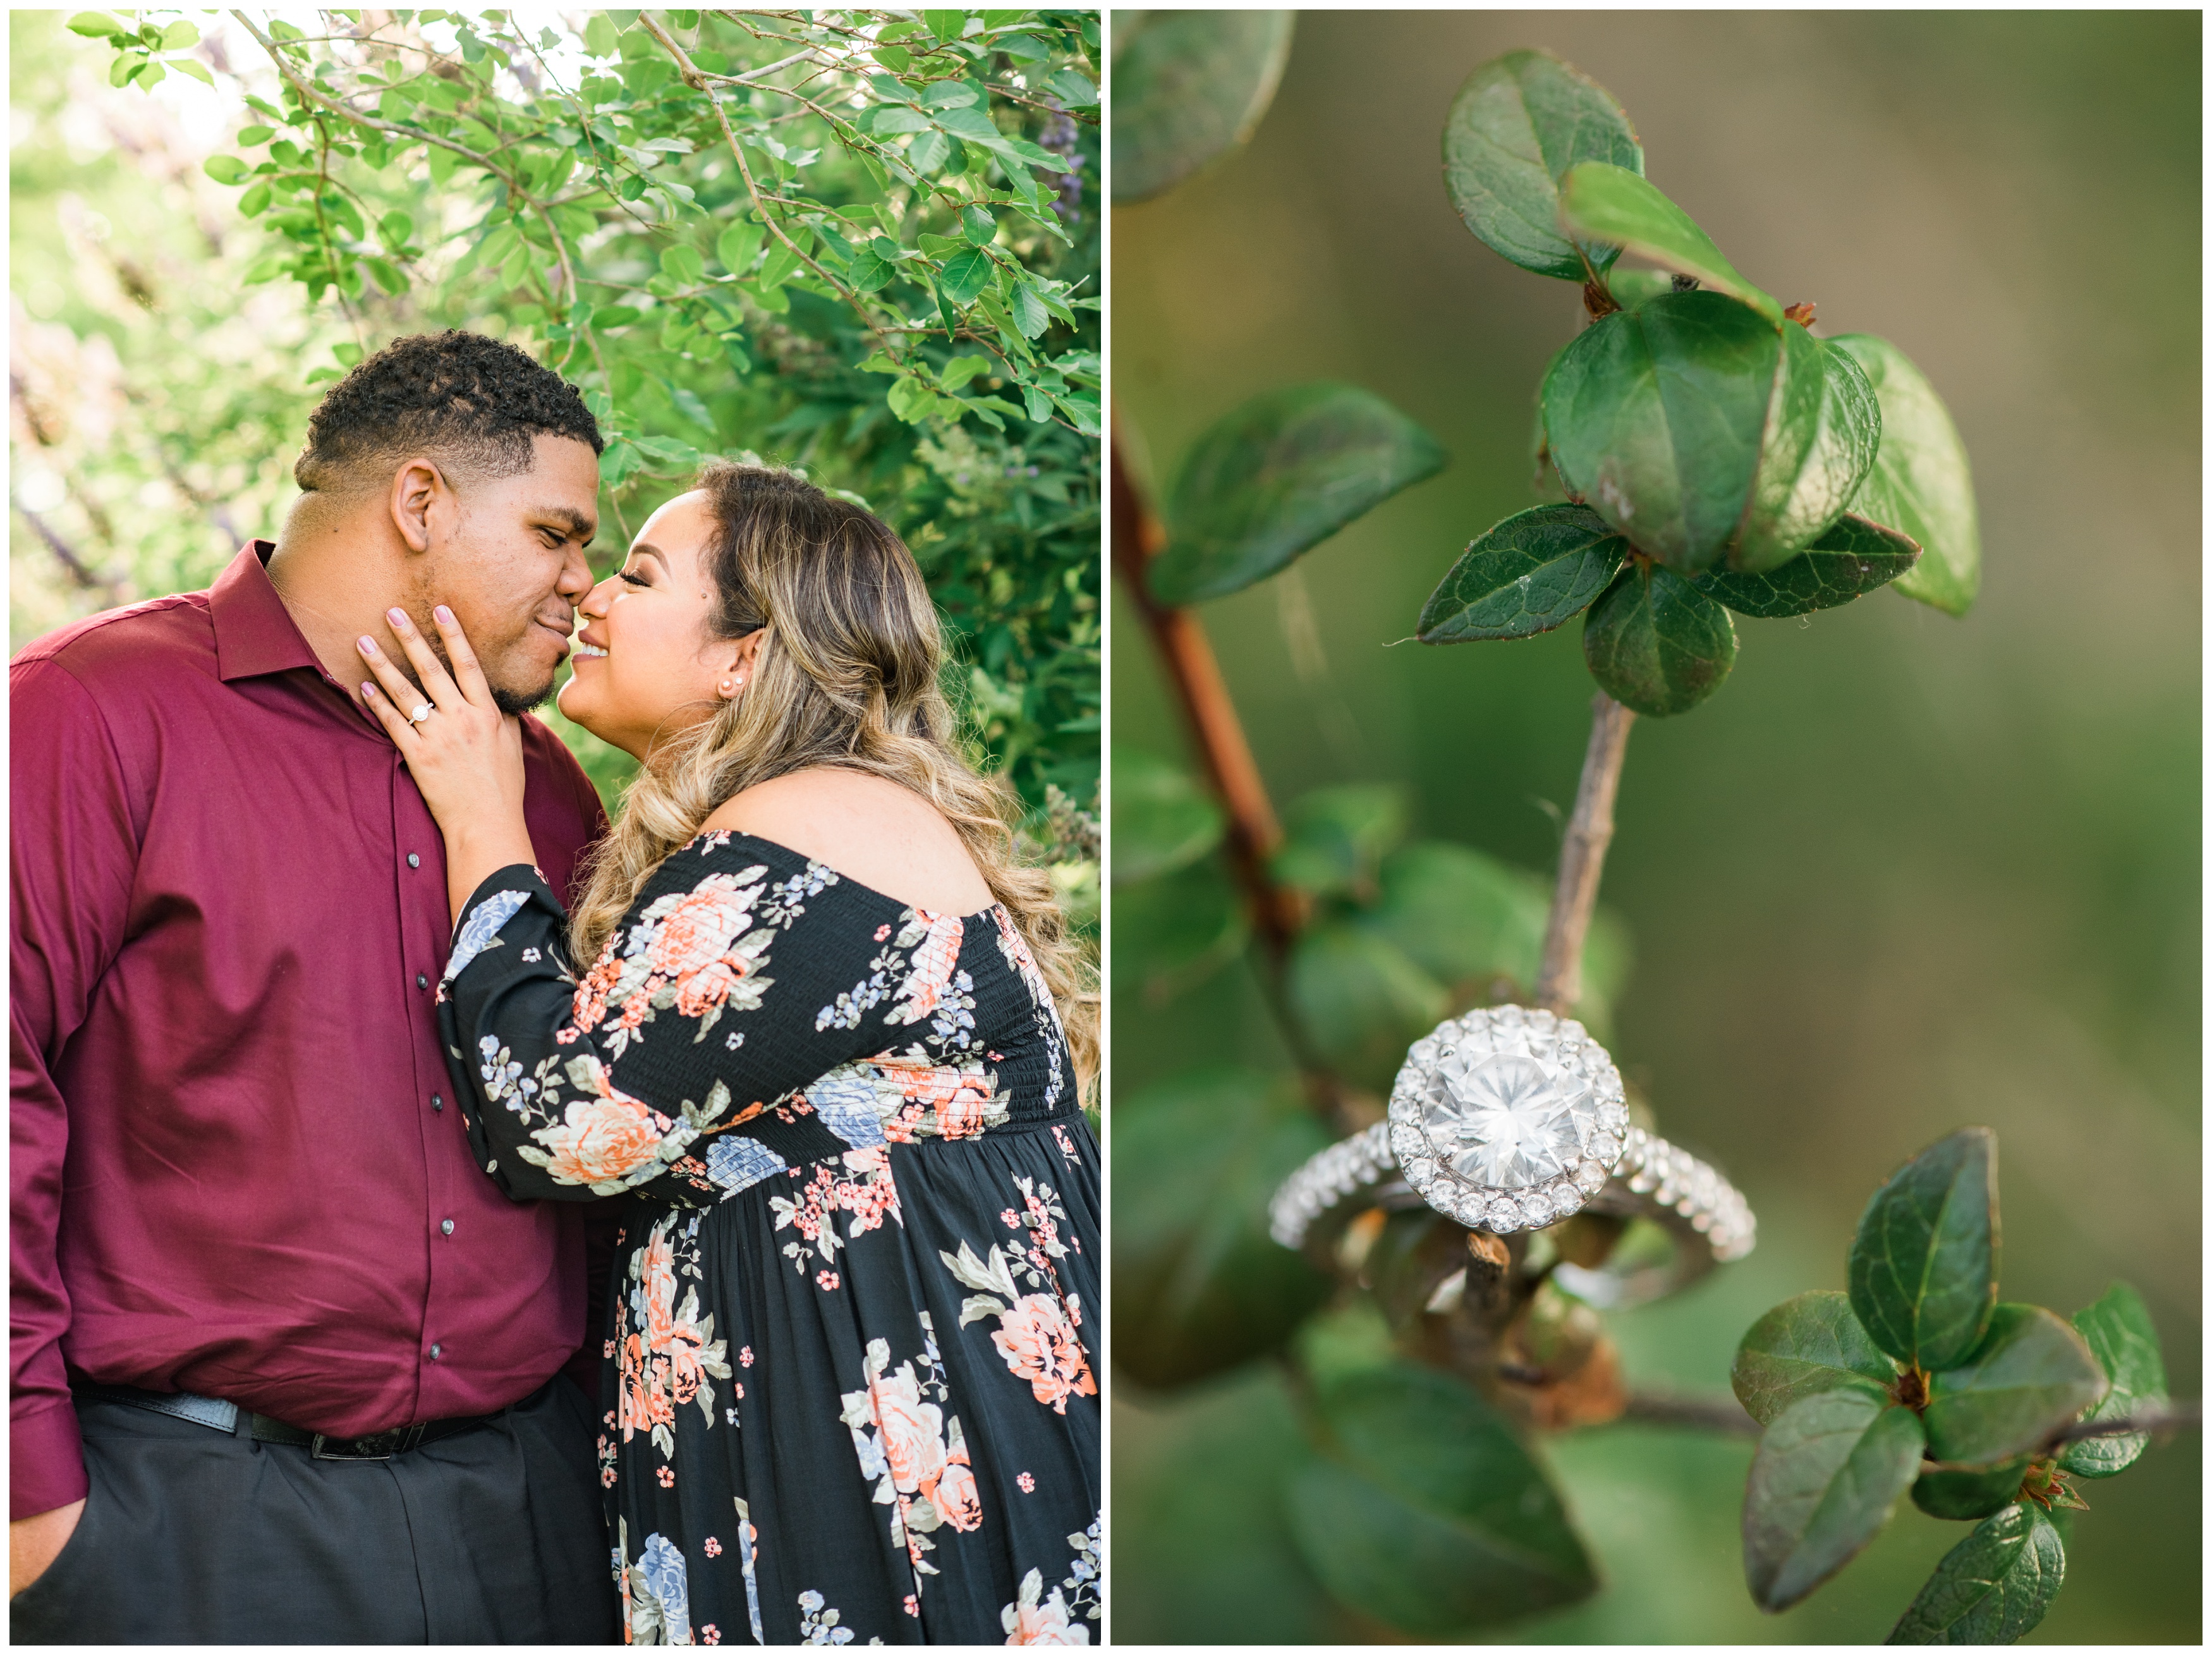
285 1363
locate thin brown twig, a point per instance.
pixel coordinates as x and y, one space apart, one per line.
2173 1416
1704 1413
1581 856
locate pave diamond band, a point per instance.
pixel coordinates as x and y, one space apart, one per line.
1509 1119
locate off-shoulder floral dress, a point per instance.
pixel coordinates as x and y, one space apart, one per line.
849 1389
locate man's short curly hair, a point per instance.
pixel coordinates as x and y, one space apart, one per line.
471 402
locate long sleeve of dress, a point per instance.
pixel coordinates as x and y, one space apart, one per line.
741 975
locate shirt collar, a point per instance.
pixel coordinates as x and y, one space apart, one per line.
254 633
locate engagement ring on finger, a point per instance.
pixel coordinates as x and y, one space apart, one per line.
1509 1119
421 712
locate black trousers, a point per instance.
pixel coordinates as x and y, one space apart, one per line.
494 1534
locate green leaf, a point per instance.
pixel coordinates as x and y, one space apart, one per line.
1188 87
1460 915
965 275
892 119
252 203
945 25
1992 1587
1072 89
1031 316
1822 426
600 36
96 25
2126 1344
978 225
393 229
961 370
682 263
178 36
1334 838
1923 1265
1516 127
1538 569
869 271
1827 1473
1360 1001
347 353
1801 1347
1425 1512
1162 819
1920 484
1276 478
224 169
1853 558
1966 1496
1198 1285
252 137
385 274
2031 1375
1608 202
738 247
1657 419
192 67
1656 643
1630 288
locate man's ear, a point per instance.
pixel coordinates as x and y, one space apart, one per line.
418 490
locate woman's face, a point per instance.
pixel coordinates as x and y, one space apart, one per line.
644 666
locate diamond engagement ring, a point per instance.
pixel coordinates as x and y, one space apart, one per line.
421 712
1509 1119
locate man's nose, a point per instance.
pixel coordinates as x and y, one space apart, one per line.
593 602
575 581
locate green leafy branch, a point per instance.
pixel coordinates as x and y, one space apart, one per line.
1917 1378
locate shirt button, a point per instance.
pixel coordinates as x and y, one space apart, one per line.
446 1227
436 1351
437 1105
413 861
422 982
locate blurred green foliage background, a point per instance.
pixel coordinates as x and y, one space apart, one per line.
160 381
1903 874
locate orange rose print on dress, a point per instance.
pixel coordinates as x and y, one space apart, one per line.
1041 1345
912 1449
601 1140
1037 1334
932 971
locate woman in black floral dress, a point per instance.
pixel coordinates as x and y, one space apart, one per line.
849 1388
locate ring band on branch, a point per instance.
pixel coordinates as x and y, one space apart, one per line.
1510 1119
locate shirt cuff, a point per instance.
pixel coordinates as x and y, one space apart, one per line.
500 897
45 1461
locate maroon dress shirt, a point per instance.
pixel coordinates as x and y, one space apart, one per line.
238 1167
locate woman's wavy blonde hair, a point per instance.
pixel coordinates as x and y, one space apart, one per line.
846 677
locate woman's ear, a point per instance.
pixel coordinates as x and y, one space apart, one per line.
740 660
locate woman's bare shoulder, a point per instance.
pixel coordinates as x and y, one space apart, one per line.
865 827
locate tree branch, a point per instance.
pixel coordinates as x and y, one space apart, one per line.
1701 1412
2173 1416
1581 857
1215 730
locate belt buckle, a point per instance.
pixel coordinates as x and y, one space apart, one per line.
377 1446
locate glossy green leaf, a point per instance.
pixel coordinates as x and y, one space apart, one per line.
224 169
1425 1512
96 25
738 246
1656 643
1822 429
2031 1375
1607 203
1537 570
1853 558
1198 1285
1992 1587
1801 1347
1163 819
2126 1344
1515 128
1334 838
1277 477
1657 417
1188 87
965 275
1827 1473
1630 288
1967 1496
1921 486
1923 1265
1172 933
1360 1001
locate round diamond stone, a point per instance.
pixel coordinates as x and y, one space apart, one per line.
1536 1208
1508 1122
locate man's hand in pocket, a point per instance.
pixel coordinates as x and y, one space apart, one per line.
33 1542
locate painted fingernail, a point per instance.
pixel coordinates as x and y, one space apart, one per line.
369 692
444 615
367 646
398 617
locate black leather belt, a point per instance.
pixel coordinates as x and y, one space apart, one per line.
229 1418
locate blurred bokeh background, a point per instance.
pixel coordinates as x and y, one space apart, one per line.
1901 875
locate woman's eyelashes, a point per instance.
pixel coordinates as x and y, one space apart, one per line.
629 578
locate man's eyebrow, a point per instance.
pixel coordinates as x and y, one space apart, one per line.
580 528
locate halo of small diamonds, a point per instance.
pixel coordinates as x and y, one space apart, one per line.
1507 1118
